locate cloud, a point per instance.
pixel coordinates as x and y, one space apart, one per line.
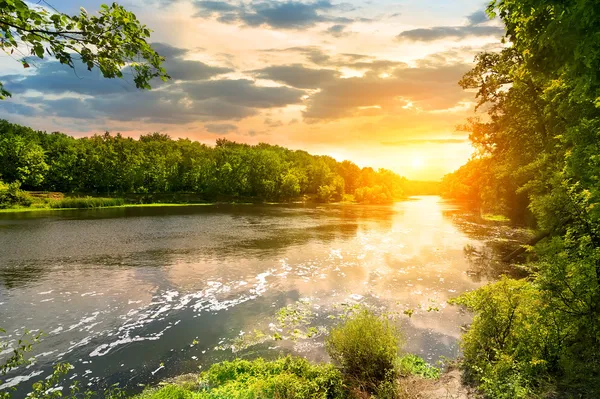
220 128
290 14
427 89
189 97
181 69
404 142
52 77
12 108
244 92
478 17
450 32
297 75
320 57
337 30
474 28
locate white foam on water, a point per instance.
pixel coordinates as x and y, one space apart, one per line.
12 382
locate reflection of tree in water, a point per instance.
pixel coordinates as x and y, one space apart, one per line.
332 223
499 239
17 276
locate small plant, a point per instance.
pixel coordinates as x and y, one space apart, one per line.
365 347
415 365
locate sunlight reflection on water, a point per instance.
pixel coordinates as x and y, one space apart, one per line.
121 291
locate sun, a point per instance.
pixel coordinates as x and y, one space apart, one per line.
417 162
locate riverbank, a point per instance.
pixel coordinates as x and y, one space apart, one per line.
50 202
42 209
365 364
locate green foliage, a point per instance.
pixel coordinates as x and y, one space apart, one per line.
373 195
155 164
509 346
86 202
11 195
111 40
285 378
415 365
365 347
537 156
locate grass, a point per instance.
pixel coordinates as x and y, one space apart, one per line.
285 378
86 202
62 207
494 218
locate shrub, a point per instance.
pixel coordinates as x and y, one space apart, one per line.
373 195
285 378
509 346
324 194
87 202
415 365
365 348
11 195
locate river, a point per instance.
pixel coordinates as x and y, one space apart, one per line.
136 295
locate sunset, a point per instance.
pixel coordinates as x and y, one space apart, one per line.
372 82
299 199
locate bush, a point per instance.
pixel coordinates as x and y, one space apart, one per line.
324 194
365 348
373 195
415 365
87 202
509 346
11 195
286 378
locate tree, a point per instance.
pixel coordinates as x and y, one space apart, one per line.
112 41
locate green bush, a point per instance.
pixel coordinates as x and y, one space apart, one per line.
285 378
11 195
87 202
415 365
365 348
373 195
509 347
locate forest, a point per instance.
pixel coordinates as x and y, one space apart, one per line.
113 166
537 160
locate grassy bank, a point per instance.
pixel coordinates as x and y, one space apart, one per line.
364 350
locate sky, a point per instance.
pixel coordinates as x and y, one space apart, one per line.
375 82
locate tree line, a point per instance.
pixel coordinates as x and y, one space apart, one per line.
112 165
538 161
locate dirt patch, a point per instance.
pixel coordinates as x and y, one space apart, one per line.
448 386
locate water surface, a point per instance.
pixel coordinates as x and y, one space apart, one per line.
135 295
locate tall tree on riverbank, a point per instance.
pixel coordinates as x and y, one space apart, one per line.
113 41
540 147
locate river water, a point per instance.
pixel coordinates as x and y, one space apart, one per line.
136 295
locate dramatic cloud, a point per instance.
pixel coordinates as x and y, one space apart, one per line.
181 69
322 58
55 78
429 88
187 98
289 14
244 92
297 75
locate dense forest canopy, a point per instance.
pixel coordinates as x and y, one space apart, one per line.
538 160
112 164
